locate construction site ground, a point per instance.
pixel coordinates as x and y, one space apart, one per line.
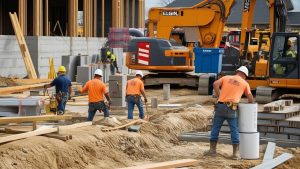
156 142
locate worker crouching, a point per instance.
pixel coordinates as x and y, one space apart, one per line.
96 91
134 90
229 90
63 89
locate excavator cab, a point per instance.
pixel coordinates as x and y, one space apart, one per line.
284 68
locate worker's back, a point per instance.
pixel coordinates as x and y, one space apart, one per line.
134 87
96 89
233 88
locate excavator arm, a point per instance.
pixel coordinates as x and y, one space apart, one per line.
208 17
278 15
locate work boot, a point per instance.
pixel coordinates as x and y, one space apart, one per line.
60 112
235 153
212 150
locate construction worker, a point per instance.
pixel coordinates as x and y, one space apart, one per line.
134 90
290 51
63 88
113 62
229 90
96 91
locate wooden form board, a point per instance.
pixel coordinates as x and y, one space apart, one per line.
23 46
7 120
27 134
167 164
17 89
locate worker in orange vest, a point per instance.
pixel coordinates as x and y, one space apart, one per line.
134 90
96 91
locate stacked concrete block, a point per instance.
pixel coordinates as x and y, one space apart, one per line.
117 90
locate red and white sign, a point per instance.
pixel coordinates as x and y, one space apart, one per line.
143 53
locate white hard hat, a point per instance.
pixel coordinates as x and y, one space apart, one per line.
139 73
243 69
98 72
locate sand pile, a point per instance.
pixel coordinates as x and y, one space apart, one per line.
6 82
91 148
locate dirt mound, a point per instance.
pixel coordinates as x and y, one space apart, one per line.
5 82
91 148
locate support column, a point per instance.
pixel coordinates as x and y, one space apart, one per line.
141 15
46 19
166 91
1 17
37 17
22 15
103 21
127 14
73 12
133 13
95 18
118 10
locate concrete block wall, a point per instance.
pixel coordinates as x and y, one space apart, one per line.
11 61
41 49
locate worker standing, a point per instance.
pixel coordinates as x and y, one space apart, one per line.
229 90
134 90
113 62
96 91
63 88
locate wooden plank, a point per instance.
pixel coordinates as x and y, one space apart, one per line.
31 81
59 136
269 154
73 126
167 164
274 162
122 126
27 134
17 89
22 119
23 46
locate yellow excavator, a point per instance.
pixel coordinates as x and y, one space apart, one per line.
203 25
273 74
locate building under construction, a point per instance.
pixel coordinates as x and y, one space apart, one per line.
60 17
56 28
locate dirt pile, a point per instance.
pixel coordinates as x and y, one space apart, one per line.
6 82
91 148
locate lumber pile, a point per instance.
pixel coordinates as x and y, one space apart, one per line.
54 132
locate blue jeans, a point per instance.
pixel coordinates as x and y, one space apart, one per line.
93 107
62 103
133 100
234 129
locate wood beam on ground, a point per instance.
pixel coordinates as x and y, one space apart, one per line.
27 134
167 164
